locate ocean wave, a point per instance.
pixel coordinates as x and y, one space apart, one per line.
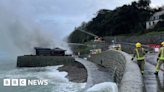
49 73
103 87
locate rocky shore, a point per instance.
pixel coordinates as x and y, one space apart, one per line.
76 72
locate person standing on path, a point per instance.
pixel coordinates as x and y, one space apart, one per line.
140 52
160 59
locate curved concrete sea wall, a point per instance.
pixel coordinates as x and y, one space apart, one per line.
126 73
113 61
39 61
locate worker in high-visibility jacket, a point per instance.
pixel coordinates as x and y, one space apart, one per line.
140 52
160 59
119 48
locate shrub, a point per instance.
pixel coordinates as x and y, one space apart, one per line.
148 30
160 29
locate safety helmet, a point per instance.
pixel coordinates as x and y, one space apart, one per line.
138 44
162 43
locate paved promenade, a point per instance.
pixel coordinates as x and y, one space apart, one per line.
152 82
96 74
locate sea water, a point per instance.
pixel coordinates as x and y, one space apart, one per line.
56 80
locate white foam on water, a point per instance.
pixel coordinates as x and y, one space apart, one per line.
103 87
53 75
69 87
49 73
56 79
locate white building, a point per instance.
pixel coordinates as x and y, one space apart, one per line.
154 20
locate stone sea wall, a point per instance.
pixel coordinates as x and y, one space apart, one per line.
144 39
126 73
39 61
129 47
113 61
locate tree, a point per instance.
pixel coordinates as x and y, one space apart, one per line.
162 16
134 4
122 20
159 26
144 4
83 25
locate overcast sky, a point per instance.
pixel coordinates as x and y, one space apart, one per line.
61 16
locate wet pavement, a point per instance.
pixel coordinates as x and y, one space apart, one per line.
152 82
96 73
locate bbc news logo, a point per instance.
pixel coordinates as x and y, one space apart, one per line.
23 82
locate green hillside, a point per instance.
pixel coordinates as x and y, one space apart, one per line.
129 19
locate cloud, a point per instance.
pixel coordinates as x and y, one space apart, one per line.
56 12
157 3
59 17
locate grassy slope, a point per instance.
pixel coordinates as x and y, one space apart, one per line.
154 32
132 34
84 49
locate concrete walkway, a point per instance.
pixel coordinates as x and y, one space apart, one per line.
96 73
152 82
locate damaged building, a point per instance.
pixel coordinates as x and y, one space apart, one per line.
49 52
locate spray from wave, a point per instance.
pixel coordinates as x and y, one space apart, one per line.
19 34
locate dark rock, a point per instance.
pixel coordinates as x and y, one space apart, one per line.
76 72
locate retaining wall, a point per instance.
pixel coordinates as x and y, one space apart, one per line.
129 47
100 45
144 39
125 72
39 61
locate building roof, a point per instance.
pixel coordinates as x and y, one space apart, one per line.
159 13
55 49
58 49
40 48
